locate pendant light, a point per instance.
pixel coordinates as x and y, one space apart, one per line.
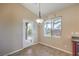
39 19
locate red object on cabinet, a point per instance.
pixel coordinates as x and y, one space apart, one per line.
74 48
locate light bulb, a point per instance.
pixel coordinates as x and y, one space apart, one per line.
39 20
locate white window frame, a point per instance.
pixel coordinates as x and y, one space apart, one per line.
52 26
49 20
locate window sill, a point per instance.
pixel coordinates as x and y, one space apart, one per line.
54 36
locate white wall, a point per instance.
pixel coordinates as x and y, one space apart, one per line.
11 37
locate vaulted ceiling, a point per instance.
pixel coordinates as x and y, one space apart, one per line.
46 8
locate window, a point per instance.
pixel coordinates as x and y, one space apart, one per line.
48 28
52 27
57 26
28 30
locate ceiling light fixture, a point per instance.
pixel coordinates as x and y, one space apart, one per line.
39 20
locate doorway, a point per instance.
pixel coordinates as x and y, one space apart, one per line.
29 33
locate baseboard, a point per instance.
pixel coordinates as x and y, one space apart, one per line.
42 44
17 50
56 48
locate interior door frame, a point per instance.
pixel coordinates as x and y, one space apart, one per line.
24 21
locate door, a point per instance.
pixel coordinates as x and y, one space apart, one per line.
29 31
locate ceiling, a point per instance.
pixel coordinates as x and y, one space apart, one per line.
46 8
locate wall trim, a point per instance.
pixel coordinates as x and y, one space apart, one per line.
18 50
56 48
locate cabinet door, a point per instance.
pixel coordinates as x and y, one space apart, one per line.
77 48
74 48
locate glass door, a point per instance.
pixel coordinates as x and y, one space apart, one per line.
29 33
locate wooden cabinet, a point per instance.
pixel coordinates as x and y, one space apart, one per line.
75 44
